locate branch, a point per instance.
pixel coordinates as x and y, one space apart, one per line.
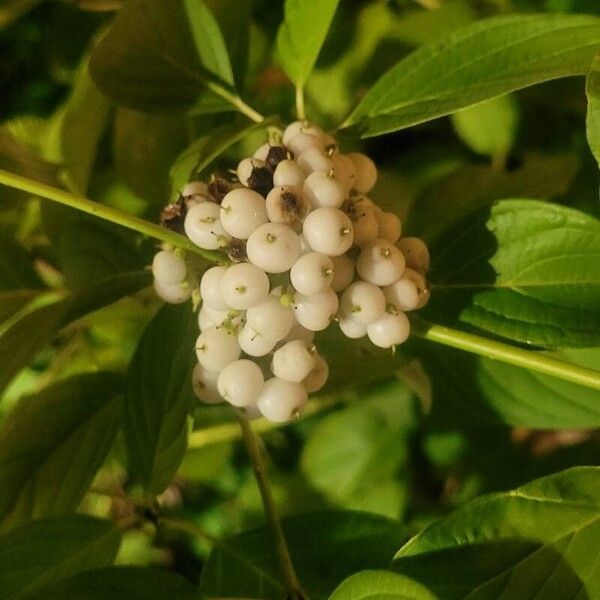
506 353
107 213
290 579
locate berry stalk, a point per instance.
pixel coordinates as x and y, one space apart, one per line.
290 579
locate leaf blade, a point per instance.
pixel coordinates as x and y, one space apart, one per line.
486 59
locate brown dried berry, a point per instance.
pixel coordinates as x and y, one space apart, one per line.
236 250
276 155
218 188
173 215
261 180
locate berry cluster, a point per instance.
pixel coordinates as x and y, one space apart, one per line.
306 247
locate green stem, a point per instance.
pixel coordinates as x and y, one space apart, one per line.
235 100
106 213
534 361
290 579
300 108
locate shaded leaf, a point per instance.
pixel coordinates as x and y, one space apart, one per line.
42 553
325 547
514 541
301 36
13 301
486 59
31 330
377 585
592 89
16 270
158 397
524 270
52 444
158 57
121 583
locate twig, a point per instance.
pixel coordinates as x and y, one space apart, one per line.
290 579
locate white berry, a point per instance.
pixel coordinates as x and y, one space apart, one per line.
298 127
323 190
366 172
204 383
195 192
262 151
407 293
271 318
288 205
313 159
329 231
365 224
288 172
244 285
203 226
216 348
246 167
317 311
297 332
293 361
209 288
344 171
273 247
351 328
280 400
343 272
363 302
416 253
242 211
389 330
254 343
304 141
173 294
317 378
380 262
241 382
312 273
390 227
168 269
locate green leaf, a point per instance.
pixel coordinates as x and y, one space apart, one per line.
486 59
455 196
592 90
42 553
158 397
121 583
490 127
480 387
13 301
145 146
25 335
360 470
159 57
16 270
524 270
72 135
52 444
301 36
380 585
207 148
538 540
325 547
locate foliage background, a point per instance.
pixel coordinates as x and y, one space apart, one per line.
408 439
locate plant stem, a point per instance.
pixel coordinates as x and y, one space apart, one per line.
300 108
534 361
106 213
290 579
242 107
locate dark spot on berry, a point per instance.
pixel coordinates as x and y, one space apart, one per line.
218 188
292 204
237 251
173 215
261 180
276 155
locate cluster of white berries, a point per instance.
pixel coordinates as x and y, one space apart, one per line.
306 247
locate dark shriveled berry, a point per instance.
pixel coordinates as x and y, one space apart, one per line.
276 155
173 215
236 251
218 188
261 180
